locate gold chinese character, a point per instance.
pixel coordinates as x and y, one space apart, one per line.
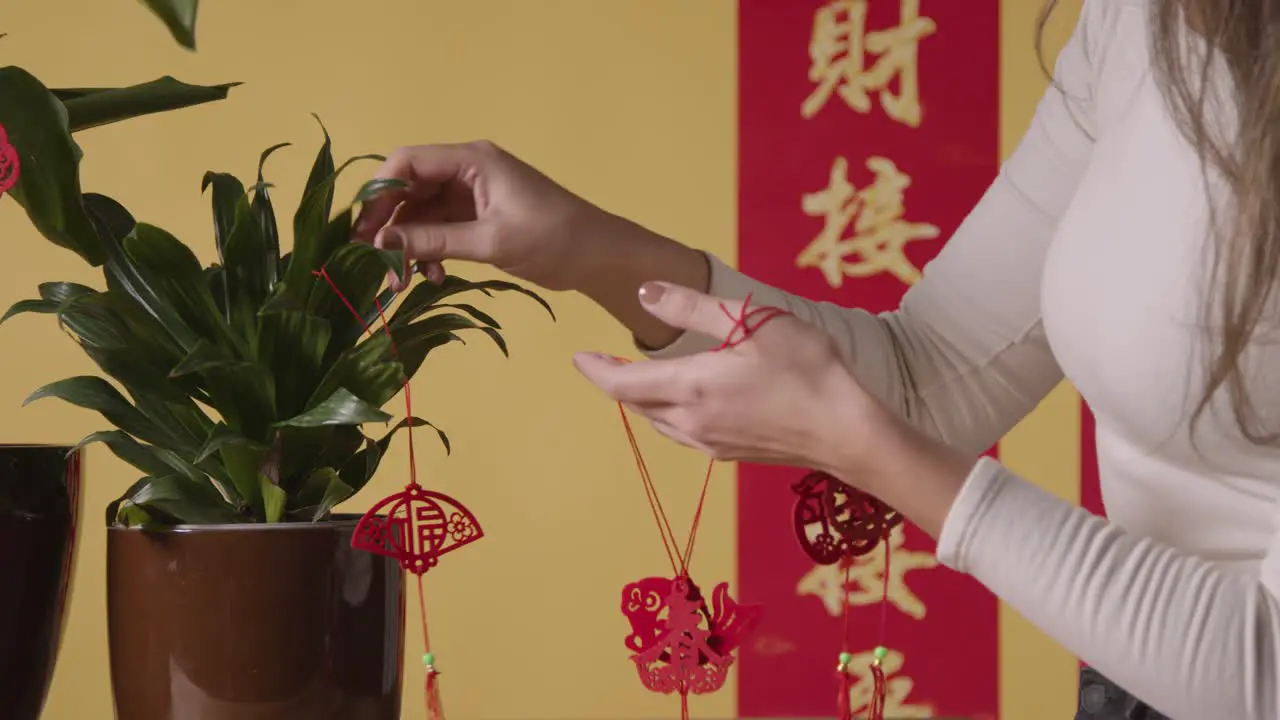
879 230
866 579
837 51
896 688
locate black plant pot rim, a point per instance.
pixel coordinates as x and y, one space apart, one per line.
37 446
337 520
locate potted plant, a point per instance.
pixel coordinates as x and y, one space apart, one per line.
240 391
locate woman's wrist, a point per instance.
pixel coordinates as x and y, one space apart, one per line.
881 454
616 256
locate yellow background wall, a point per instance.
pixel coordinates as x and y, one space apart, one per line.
630 102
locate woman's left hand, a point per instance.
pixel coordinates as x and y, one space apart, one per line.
783 397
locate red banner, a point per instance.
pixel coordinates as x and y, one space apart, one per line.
868 130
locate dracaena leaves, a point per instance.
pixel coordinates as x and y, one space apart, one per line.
274 347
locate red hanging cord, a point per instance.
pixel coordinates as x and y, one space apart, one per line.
431 684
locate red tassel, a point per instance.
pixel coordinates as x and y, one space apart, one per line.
435 708
875 711
684 706
846 687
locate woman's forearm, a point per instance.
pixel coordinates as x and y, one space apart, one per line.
619 256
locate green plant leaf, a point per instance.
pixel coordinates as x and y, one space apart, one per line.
424 296
196 503
30 306
360 469
266 214
358 271
94 393
292 346
242 458
179 16
245 395
64 291
273 499
219 437
248 269
368 371
341 408
311 219
320 492
115 224
149 459
48 186
175 280
94 107
443 324
227 192
113 507
202 358
414 349
52 296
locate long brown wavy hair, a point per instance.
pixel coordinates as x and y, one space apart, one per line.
1245 254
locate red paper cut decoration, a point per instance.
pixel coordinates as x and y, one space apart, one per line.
680 645
833 520
834 523
10 166
416 526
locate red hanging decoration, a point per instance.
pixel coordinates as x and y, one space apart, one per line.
415 526
835 522
680 645
10 166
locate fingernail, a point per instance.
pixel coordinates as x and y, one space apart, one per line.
651 293
389 239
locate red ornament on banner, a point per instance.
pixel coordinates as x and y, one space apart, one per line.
415 526
10 166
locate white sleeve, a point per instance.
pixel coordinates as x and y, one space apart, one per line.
965 357
1192 640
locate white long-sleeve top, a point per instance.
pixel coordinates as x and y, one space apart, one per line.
1086 257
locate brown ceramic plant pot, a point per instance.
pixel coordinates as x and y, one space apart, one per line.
253 622
39 512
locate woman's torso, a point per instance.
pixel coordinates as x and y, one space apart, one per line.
1124 283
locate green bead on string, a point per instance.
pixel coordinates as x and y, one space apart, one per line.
879 653
429 662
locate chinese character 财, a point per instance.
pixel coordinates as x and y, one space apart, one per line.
838 49
864 230
865 579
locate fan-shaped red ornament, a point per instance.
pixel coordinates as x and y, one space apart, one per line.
416 526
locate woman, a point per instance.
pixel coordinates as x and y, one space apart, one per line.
1132 243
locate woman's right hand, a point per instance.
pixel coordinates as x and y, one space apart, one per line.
477 202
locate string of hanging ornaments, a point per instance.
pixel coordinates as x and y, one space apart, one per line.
680 644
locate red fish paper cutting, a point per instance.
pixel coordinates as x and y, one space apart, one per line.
680 645
10 166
